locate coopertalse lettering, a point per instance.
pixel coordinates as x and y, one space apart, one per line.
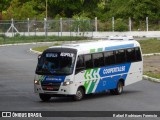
114 70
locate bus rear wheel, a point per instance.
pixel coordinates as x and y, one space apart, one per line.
79 94
44 97
118 90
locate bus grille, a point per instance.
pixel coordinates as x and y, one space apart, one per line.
51 86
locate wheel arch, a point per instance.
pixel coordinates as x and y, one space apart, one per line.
84 89
121 80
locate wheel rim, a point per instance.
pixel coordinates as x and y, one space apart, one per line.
79 94
120 88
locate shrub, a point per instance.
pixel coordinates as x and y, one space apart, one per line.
120 25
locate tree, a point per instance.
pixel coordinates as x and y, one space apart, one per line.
145 8
136 9
103 9
3 6
22 10
69 8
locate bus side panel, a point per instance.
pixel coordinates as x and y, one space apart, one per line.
135 73
89 79
109 83
79 80
100 79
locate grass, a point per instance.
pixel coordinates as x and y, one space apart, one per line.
150 46
30 39
42 48
151 74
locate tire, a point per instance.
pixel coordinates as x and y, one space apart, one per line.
44 97
118 90
79 94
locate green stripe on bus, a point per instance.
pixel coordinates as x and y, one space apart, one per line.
86 84
94 71
100 49
92 50
41 78
87 74
92 86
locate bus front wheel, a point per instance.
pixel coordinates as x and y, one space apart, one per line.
79 94
44 97
118 90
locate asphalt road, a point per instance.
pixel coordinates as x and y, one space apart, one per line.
17 66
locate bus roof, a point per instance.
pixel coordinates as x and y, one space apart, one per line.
120 38
99 46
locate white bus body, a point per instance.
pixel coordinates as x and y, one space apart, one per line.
92 67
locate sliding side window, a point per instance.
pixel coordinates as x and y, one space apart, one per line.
98 60
88 61
109 58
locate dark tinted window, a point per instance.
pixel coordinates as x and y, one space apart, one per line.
88 61
98 59
109 58
130 55
80 62
138 54
56 63
120 56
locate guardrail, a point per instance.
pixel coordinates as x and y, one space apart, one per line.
137 34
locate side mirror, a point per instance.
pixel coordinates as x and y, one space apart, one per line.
39 56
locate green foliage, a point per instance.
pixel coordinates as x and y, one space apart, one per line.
120 25
81 23
152 74
150 46
25 39
4 4
41 48
137 10
18 10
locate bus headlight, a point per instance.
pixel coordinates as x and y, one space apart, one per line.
36 82
67 83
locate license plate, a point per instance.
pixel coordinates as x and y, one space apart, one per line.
49 88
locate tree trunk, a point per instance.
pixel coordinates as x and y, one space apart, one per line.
0 15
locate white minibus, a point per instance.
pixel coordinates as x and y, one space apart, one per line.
85 68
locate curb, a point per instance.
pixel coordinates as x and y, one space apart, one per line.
3 45
151 54
147 77
34 51
25 43
151 78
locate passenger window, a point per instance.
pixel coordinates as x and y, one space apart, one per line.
88 61
138 54
98 59
130 55
80 64
109 58
120 56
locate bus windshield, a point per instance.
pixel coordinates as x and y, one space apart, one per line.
56 63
